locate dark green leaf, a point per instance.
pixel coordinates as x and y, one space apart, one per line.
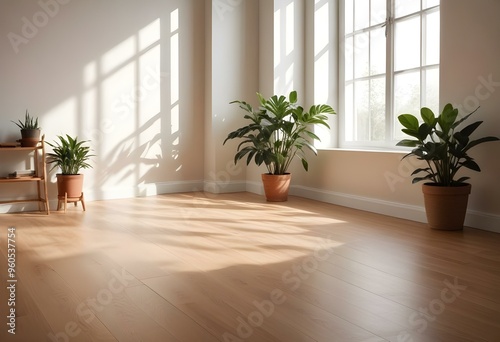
409 121
305 164
411 133
423 131
428 116
471 164
462 139
408 143
462 179
419 179
421 170
467 131
479 141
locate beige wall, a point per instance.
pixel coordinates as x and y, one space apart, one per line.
233 55
126 74
380 181
470 73
149 83
470 76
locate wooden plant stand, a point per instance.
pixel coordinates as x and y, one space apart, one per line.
63 200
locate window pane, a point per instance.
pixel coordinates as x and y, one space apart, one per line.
407 44
349 16
431 34
349 58
361 111
378 12
405 7
361 55
406 97
361 14
377 52
429 3
431 89
377 109
412 69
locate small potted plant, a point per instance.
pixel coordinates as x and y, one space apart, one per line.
70 156
277 132
30 132
444 148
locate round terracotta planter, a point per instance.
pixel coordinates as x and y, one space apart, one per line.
30 137
69 184
446 206
276 186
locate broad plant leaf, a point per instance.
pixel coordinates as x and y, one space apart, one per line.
278 131
441 145
428 116
409 121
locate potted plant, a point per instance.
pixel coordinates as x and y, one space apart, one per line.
277 132
444 147
30 132
70 155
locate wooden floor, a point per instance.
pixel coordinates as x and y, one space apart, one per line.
232 267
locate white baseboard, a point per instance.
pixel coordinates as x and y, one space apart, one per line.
255 187
474 219
224 187
409 212
140 190
483 221
18 207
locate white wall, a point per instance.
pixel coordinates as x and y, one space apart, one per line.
379 181
233 56
126 74
84 72
470 74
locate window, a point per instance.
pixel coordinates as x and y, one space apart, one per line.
389 65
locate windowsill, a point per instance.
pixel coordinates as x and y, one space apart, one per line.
365 150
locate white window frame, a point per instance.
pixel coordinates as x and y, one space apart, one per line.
390 117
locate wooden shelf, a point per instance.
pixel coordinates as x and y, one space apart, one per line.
20 179
19 148
40 171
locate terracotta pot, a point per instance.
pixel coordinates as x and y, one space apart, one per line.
276 187
446 206
70 184
30 137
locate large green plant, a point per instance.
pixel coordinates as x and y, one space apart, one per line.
439 142
278 131
29 122
70 155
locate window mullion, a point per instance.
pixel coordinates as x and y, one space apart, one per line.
422 54
389 70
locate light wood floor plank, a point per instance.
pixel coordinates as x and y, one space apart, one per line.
206 267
